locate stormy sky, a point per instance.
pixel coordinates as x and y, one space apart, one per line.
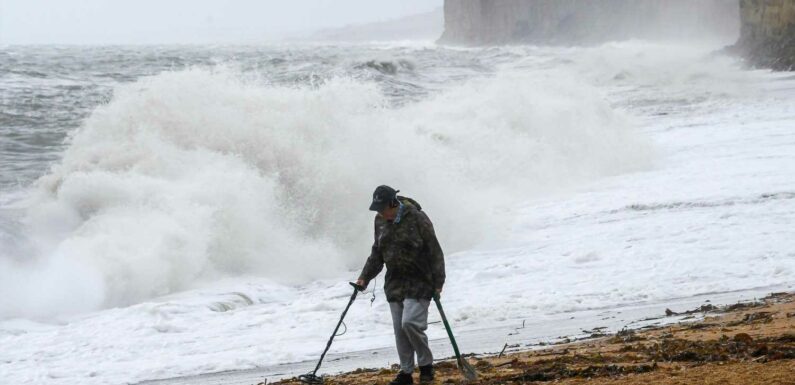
187 21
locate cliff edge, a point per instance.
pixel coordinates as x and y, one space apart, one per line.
767 33
489 22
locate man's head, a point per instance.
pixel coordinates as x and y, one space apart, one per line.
385 201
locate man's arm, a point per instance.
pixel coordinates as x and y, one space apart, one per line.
374 264
434 251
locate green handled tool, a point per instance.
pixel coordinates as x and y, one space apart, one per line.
466 369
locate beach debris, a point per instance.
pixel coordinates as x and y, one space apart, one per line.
701 309
753 318
743 338
553 371
503 350
483 365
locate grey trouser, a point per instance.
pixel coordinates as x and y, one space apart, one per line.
410 319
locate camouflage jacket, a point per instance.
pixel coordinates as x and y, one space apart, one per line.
412 255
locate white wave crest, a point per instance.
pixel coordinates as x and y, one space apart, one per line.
189 176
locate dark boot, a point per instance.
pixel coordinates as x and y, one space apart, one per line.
426 374
402 379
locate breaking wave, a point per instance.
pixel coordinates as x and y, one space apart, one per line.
190 176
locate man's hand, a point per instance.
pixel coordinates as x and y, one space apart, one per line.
439 292
361 283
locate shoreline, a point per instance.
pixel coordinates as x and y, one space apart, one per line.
539 333
750 342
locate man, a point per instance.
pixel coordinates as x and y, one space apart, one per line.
406 243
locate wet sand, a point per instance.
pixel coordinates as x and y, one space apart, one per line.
744 343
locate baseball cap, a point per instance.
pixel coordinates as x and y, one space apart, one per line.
382 196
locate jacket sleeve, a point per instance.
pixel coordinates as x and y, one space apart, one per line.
375 262
434 250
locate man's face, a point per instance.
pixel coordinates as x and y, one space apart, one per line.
389 213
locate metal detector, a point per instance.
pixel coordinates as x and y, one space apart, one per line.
313 378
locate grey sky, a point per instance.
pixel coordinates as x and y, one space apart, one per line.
186 21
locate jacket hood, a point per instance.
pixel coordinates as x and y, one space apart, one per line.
410 202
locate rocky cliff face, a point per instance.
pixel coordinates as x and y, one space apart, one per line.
484 22
767 36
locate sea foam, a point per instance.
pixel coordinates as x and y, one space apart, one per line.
186 177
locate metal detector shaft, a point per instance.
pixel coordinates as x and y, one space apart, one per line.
356 290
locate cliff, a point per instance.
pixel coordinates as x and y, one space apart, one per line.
767 34
486 22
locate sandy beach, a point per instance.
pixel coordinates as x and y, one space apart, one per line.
743 343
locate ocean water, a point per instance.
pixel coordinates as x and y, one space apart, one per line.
172 211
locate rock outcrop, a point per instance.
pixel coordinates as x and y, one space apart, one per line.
767 34
487 22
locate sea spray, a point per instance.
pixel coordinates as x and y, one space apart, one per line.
194 175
